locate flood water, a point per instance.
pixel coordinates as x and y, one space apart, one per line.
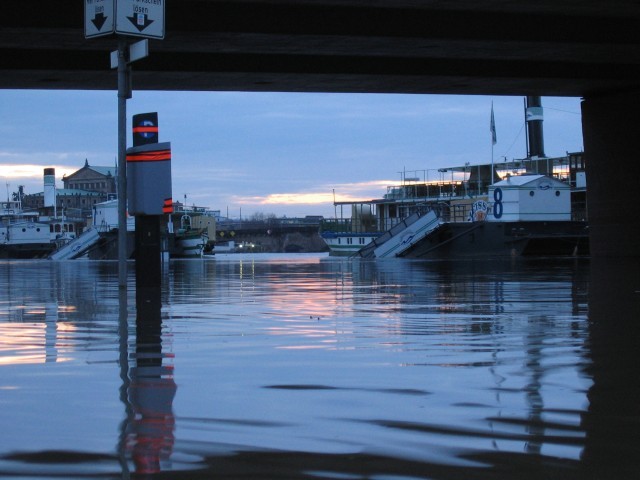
305 366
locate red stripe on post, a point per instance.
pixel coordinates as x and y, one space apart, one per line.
153 156
145 129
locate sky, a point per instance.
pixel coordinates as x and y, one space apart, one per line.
285 154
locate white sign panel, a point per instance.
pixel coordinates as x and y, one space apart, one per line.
99 18
141 18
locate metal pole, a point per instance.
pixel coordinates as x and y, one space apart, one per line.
123 91
491 181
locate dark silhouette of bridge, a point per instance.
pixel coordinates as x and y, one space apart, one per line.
511 47
586 48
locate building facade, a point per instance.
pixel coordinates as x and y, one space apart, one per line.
92 179
81 191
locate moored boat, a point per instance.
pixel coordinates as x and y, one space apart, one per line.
346 236
196 226
344 244
535 205
189 241
526 215
523 214
27 234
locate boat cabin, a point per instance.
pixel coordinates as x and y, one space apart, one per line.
529 198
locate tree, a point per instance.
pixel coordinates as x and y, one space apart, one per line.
262 217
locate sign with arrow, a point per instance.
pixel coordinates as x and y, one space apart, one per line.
99 18
140 18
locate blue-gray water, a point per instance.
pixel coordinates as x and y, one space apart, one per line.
302 366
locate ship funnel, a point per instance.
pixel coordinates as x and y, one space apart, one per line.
534 117
49 187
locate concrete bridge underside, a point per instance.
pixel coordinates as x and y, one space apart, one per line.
586 48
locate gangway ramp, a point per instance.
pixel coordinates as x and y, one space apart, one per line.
77 246
402 236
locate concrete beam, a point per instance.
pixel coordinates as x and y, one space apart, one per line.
504 47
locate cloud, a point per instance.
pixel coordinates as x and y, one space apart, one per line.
31 172
345 192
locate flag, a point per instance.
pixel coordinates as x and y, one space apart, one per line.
492 128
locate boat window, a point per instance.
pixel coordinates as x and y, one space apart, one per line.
557 193
532 193
57 227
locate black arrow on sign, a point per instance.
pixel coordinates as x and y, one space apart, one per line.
99 20
146 22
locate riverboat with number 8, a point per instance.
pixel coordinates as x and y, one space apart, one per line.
534 206
522 214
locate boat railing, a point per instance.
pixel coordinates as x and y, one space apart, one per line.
348 225
446 211
455 213
427 191
179 208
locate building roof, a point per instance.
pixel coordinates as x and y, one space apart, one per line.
102 170
105 170
526 180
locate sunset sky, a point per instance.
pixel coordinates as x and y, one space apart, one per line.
279 153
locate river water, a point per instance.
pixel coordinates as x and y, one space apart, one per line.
305 366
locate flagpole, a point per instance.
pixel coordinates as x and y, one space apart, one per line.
492 177
494 139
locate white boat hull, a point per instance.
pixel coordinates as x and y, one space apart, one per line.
347 244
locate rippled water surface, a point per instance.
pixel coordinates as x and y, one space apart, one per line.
302 366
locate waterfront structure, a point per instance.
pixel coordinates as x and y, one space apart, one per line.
82 190
463 200
92 179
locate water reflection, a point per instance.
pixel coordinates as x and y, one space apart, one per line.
148 430
306 367
469 315
49 310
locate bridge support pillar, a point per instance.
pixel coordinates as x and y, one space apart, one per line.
611 132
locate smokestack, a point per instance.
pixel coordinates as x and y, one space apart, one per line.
49 187
534 117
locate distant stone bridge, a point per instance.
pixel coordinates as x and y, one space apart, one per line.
275 235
